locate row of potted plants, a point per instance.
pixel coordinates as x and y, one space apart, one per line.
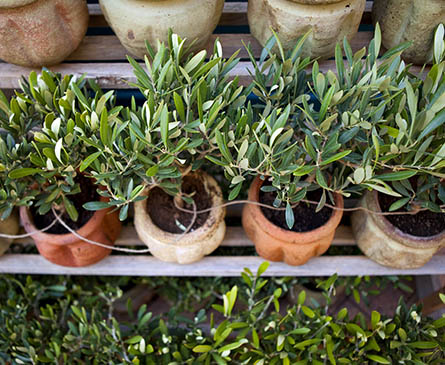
309 139
45 32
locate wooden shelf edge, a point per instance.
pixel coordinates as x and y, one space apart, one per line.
228 266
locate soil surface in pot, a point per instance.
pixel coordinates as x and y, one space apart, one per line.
165 215
87 194
423 224
306 219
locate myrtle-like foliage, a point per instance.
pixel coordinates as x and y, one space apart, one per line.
67 322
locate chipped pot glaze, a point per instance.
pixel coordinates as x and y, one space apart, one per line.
193 246
277 244
67 249
11 226
41 32
137 21
409 20
386 244
330 22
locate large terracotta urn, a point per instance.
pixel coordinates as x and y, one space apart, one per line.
409 20
37 33
137 21
329 21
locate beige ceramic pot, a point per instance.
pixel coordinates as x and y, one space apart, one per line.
10 226
329 20
193 246
68 250
277 244
137 21
37 33
409 20
386 244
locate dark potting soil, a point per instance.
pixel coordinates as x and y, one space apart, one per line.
306 219
423 224
87 194
165 215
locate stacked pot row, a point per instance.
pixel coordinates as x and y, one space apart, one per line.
376 236
37 33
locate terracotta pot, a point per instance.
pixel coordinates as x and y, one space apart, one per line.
67 249
37 33
135 21
409 20
194 245
277 244
11 226
330 21
384 243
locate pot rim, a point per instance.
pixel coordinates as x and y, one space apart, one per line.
216 215
372 203
12 4
290 236
66 238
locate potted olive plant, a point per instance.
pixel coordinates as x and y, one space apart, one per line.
407 153
138 21
37 33
299 146
65 118
296 175
156 160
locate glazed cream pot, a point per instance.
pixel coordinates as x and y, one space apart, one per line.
37 33
137 21
409 20
193 246
329 20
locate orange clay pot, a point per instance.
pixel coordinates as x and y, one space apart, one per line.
277 244
67 249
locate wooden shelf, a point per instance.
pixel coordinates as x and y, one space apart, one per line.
103 58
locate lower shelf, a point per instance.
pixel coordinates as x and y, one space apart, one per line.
228 266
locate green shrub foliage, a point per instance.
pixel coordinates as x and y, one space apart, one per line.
70 323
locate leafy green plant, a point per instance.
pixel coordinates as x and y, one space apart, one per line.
72 321
189 101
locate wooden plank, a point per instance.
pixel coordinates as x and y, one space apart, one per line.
235 237
109 48
229 266
118 75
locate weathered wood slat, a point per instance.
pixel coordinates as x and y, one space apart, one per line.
235 237
229 266
118 75
108 48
